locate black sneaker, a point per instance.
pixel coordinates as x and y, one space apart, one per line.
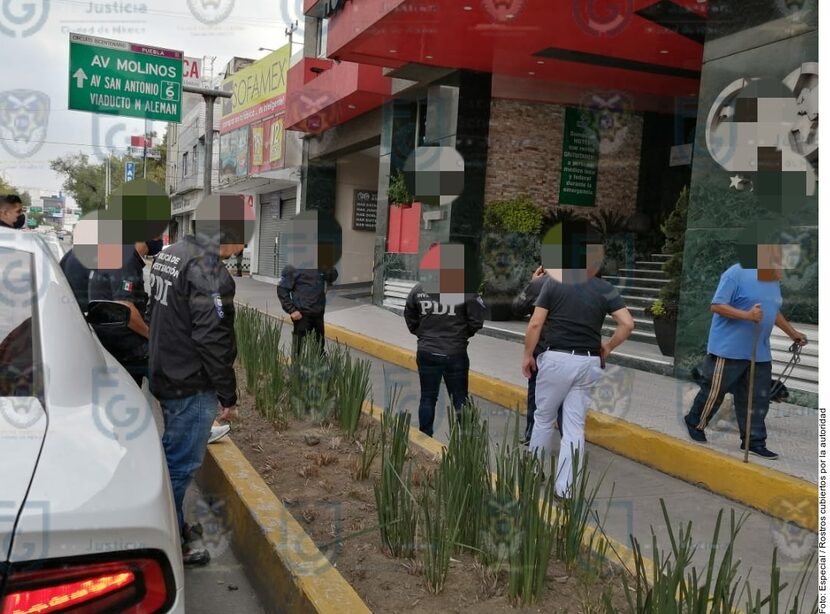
194 557
762 451
695 433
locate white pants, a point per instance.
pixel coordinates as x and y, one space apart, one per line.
563 379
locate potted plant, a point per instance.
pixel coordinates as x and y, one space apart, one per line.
510 252
398 195
664 310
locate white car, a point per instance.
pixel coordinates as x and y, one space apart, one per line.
87 521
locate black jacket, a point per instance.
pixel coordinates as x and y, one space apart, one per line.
442 329
304 290
124 284
191 317
78 277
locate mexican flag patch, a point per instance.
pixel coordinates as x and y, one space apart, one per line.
127 286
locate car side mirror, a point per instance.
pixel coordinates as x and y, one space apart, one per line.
108 314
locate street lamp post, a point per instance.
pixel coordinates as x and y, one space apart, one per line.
209 96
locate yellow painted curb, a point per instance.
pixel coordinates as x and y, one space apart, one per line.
773 492
285 565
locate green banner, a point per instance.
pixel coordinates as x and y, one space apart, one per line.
120 78
580 158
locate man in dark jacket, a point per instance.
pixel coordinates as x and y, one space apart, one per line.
126 285
78 276
192 349
523 305
443 332
302 294
313 246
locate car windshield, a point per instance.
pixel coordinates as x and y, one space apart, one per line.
19 362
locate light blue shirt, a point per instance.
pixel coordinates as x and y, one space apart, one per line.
740 288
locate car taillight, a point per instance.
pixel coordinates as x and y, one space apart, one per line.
129 585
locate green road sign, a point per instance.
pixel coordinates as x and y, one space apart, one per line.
35 209
120 78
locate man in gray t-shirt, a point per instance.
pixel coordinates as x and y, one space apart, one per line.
572 308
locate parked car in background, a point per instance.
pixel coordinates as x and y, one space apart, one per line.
87 521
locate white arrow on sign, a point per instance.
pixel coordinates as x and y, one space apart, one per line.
79 75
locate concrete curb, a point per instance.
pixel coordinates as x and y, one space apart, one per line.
284 564
773 492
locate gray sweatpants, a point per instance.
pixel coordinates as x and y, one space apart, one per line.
563 379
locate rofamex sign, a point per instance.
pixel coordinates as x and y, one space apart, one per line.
258 91
120 78
252 127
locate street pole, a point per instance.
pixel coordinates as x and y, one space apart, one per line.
289 32
145 148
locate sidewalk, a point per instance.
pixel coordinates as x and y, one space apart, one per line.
641 412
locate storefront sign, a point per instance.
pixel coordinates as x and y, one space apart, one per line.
365 210
580 157
258 91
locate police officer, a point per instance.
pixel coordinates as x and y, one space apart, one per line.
11 212
126 285
313 246
78 277
193 348
302 294
443 332
523 305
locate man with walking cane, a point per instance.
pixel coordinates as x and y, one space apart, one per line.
746 306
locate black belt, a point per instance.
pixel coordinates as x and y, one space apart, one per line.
575 352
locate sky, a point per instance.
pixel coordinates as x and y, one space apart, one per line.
34 38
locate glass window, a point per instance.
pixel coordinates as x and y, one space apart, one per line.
19 360
184 165
322 37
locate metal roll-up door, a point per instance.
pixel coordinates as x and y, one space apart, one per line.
275 213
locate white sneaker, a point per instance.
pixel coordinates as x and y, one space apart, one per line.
217 431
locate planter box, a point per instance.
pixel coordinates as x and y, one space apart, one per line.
665 330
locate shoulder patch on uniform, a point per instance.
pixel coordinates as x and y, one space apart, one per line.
217 302
127 285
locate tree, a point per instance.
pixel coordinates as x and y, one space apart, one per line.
86 181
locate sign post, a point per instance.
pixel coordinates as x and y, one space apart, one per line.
127 79
129 171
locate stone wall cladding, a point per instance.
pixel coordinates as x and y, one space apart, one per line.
525 156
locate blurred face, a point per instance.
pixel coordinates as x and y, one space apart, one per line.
226 250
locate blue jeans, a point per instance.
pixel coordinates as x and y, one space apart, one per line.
432 368
187 425
723 375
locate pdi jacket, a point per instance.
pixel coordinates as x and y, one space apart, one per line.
442 329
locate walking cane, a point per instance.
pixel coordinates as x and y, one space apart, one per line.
748 422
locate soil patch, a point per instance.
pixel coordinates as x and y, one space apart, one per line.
310 468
